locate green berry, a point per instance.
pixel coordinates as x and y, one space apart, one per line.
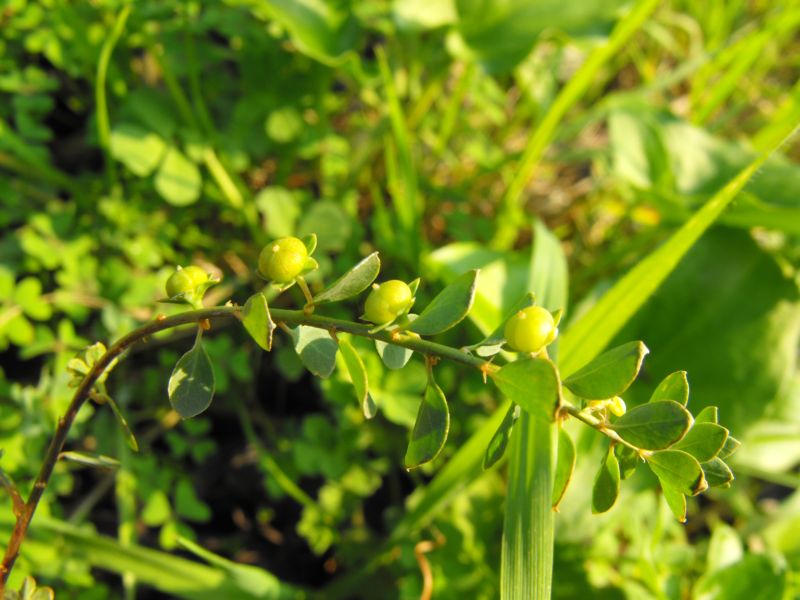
185 280
530 330
387 301
283 260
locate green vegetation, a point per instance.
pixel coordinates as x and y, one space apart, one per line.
267 421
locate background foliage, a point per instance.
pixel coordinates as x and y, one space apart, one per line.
134 138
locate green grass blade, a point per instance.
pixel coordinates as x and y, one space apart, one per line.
587 74
587 337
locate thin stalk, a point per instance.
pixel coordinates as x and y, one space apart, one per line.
84 390
103 126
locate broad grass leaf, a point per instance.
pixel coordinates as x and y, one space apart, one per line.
499 442
178 180
353 282
316 349
358 376
609 374
565 465
449 307
703 441
258 321
606 484
533 384
431 428
674 386
678 471
653 426
191 385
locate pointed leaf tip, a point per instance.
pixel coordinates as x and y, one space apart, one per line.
610 374
449 307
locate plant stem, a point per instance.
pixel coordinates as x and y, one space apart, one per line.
103 126
84 390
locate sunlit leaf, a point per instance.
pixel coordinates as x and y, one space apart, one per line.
717 472
352 283
674 386
533 384
653 426
703 441
258 321
449 307
609 374
678 471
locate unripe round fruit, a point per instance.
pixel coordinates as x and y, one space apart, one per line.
186 280
530 330
387 301
283 260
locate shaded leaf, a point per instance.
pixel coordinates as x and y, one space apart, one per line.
352 283
393 356
178 179
499 442
90 459
191 385
717 472
653 426
137 148
565 465
731 446
678 471
606 484
533 384
609 374
358 375
628 460
316 349
674 386
703 441
258 321
676 502
449 307
430 430
123 422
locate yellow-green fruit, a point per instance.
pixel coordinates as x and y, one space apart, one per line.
185 280
387 301
283 260
530 330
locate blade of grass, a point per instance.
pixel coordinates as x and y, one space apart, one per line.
510 210
526 565
586 338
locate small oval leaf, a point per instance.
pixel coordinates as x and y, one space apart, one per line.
499 442
653 426
606 484
257 320
358 375
449 307
717 473
316 349
676 502
430 430
394 357
678 471
191 385
609 374
352 283
533 384
703 441
673 387
731 446
710 414
565 465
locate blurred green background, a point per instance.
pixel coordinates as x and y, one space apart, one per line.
134 137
